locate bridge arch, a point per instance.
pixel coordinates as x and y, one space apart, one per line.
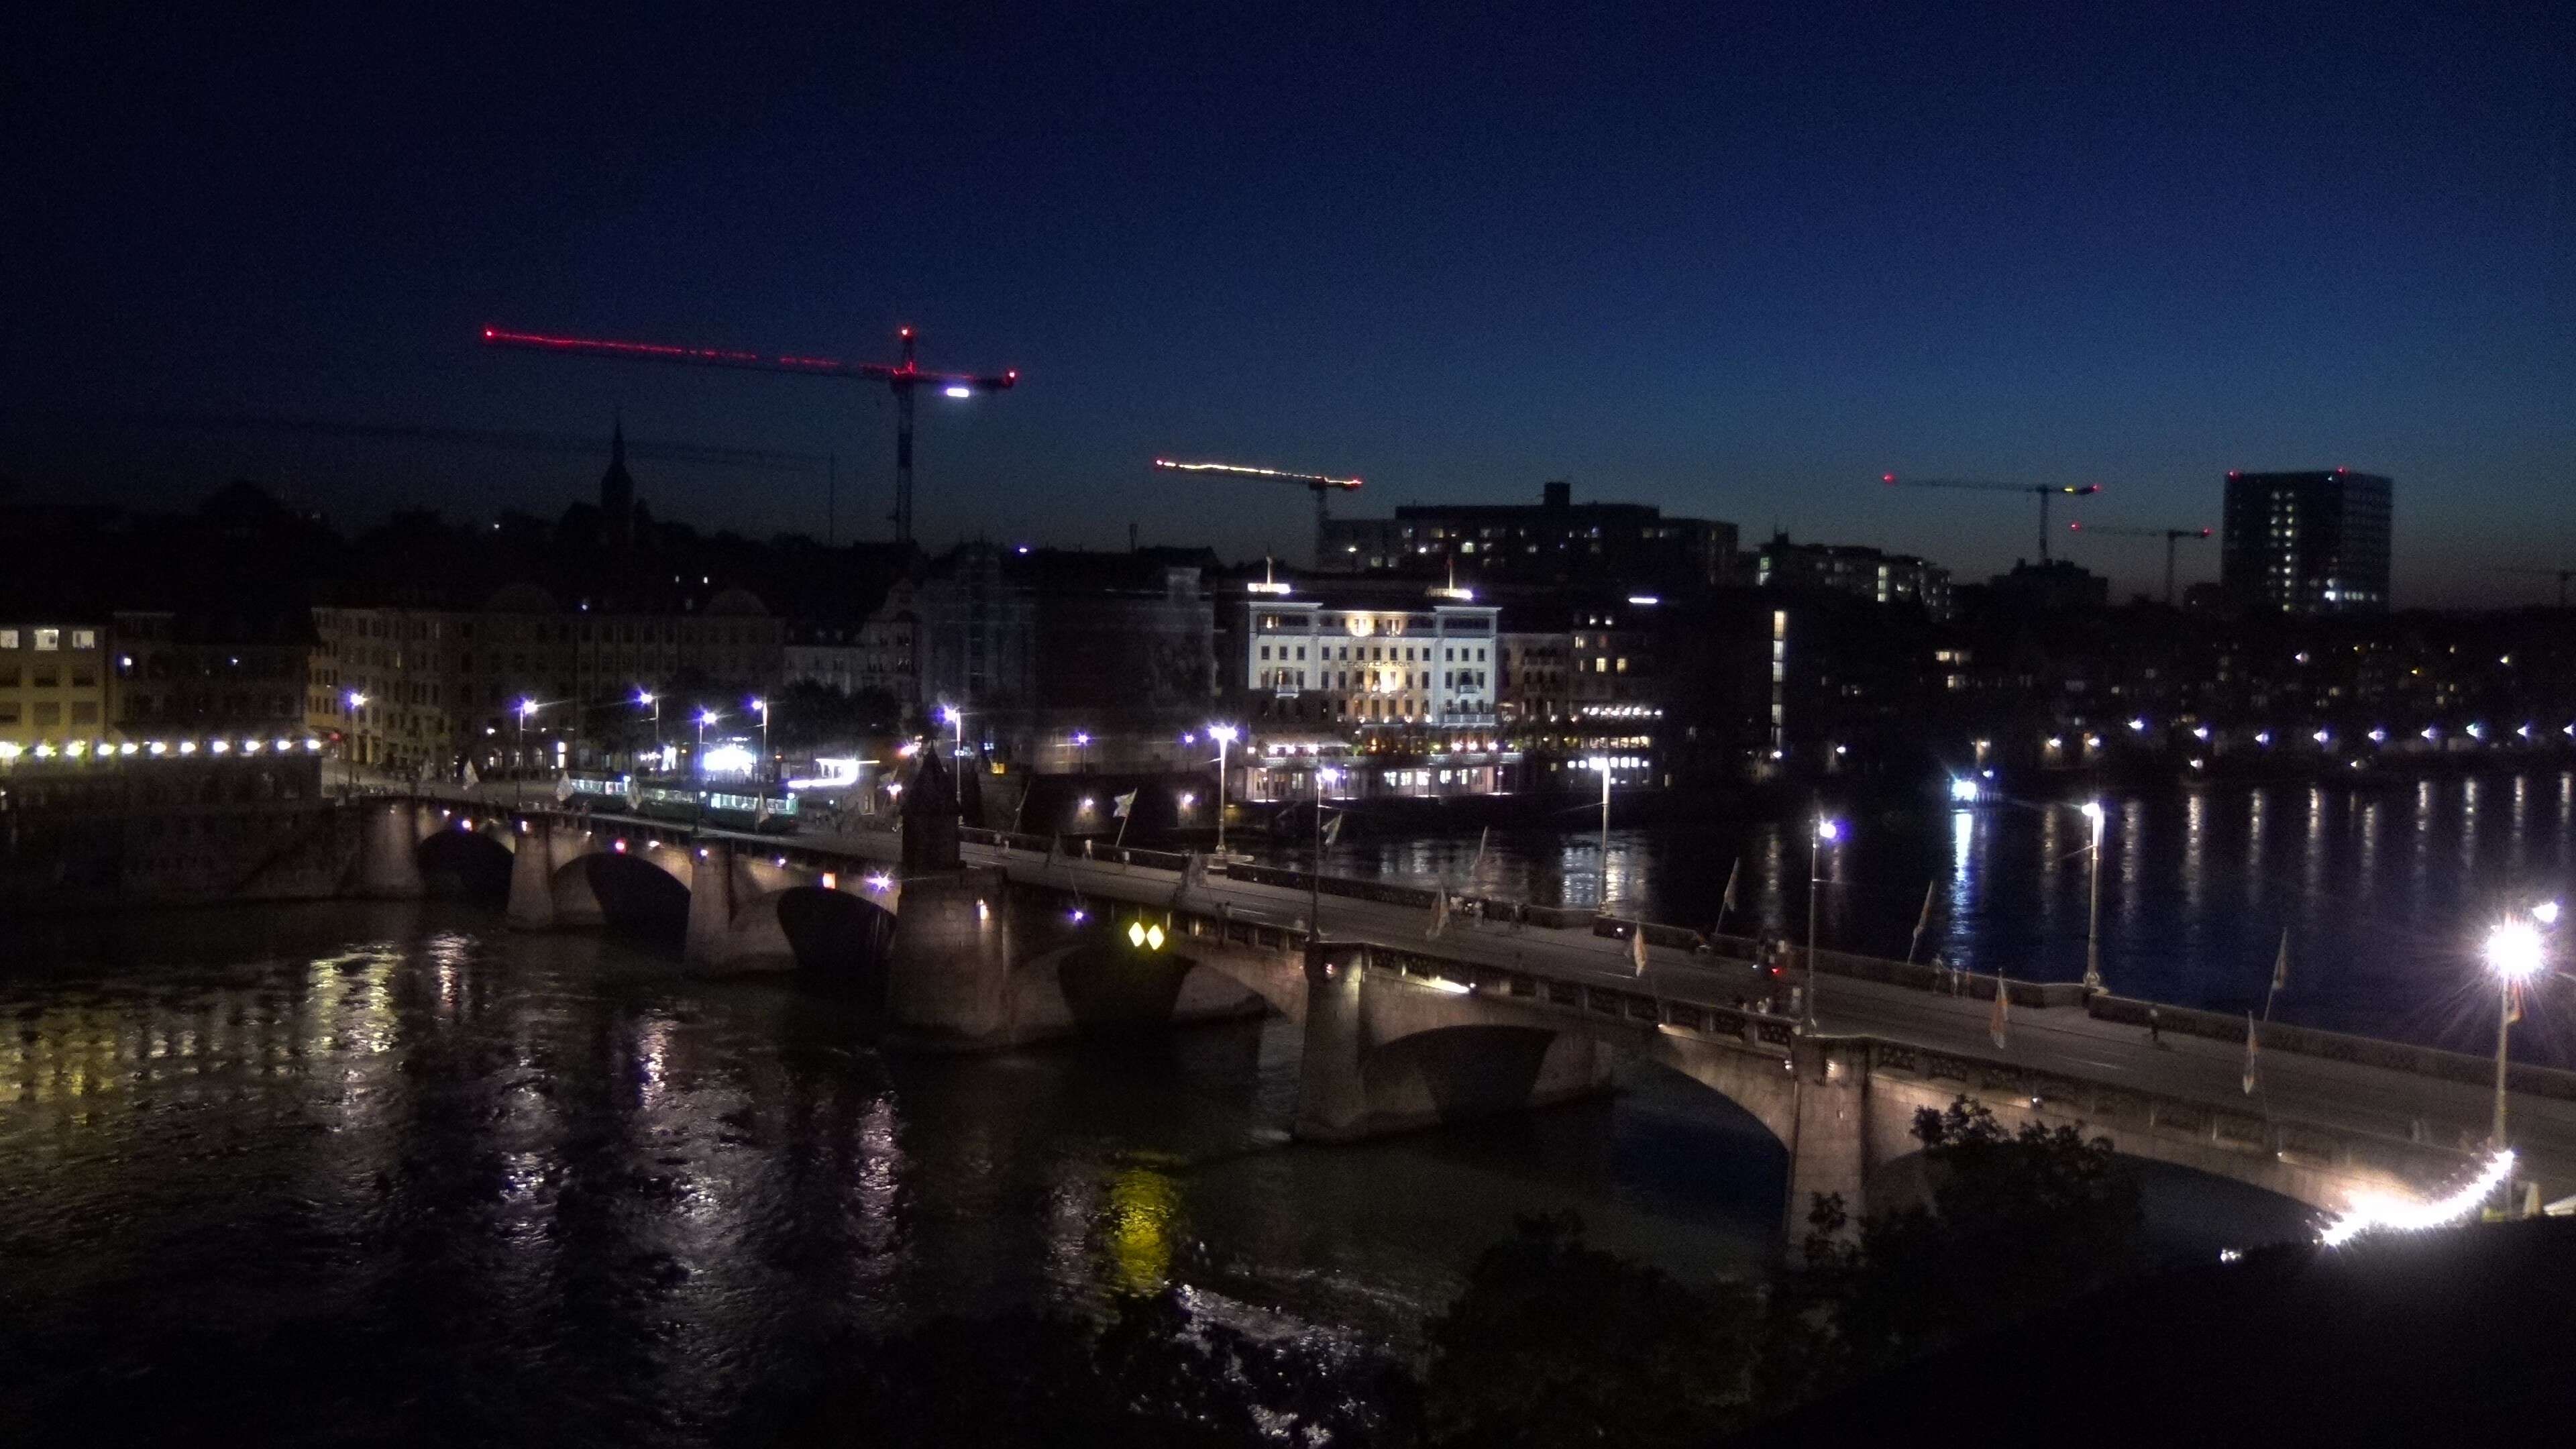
837 937
628 893
1085 975
470 863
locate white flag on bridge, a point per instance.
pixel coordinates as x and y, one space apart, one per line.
1125 803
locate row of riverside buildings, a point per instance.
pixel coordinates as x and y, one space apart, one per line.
1448 650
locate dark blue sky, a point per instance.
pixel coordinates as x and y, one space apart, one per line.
1733 260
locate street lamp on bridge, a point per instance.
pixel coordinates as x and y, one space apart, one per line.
526 711
349 742
1827 831
2516 953
1224 735
654 701
2093 912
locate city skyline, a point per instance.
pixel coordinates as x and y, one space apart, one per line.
1733 271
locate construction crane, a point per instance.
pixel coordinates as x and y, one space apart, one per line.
2047 493
2171 536
2562 575
1321 485
901 377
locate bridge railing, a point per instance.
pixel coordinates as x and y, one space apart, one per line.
1091 850
2118 1108
2423 1061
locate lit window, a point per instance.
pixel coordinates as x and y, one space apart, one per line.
49 639
84 638
8 638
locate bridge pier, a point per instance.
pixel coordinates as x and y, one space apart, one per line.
949 972
532 889
1332 1091
711 901
1384 1053
544 896
388 842
1829 1142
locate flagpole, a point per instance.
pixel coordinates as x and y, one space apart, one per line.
2280 973
1315 876
1921 921
1726 899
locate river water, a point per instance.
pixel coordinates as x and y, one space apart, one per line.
352 1173
390 1173
2384 893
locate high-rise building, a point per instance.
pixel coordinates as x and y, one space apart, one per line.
2306 543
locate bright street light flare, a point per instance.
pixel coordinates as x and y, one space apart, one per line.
2514 950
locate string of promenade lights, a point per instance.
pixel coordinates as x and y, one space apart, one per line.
11 751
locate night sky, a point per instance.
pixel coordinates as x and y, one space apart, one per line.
1735 260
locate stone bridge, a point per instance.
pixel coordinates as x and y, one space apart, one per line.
1397 1039
966 959
1021 944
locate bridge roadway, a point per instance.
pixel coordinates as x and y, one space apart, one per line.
2349 1097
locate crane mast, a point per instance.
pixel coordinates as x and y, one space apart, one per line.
2171 536
2047 493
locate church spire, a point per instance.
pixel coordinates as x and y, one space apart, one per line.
617 488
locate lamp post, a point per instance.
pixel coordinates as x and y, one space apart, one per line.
763 706
519 777
1827 831
648 697
1081 751
1224 735
698 762
348 746
2514 953
956 719
2093 915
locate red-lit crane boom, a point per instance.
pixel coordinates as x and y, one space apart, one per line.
2047 492
2171 536
1323 486
902 377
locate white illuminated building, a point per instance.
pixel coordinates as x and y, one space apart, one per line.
1430 666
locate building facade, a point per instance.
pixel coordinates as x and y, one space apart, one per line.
1369 667
56 688
1863 573
2306 543
430 690
1556 542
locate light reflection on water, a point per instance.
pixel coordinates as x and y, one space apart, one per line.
2383 891
454 1183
